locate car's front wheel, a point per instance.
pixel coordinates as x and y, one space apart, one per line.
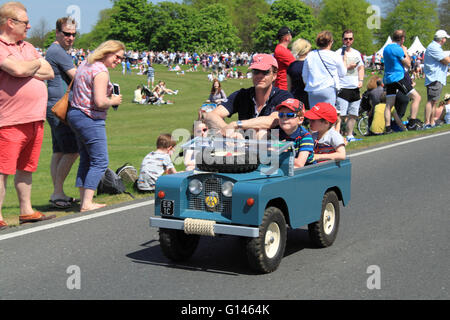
265 252
177 245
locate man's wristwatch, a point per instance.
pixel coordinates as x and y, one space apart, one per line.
239 124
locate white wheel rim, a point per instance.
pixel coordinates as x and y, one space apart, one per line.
329 218
272 240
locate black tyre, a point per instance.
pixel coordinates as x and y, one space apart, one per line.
176 245
264 253
227 164
323 232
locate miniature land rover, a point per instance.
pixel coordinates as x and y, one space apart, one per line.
250 189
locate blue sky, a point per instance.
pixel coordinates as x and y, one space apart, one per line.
88 10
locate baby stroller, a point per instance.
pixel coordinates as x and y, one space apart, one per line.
150 97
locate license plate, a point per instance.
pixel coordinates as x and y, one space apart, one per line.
167 207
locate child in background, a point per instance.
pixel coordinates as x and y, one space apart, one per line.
156 163
445 115
328 143
378 124
200 130
291 116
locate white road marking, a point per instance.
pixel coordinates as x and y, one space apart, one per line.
141 204
74 220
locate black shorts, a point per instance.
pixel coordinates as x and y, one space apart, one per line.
403 85
350 95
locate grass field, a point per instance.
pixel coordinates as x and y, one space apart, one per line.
133 129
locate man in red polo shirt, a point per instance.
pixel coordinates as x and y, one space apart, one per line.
284 56
23 102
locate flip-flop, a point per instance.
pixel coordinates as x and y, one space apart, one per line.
73 200
61 203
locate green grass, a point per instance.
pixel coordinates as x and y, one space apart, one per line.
133 129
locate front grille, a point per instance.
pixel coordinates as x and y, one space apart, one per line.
210 184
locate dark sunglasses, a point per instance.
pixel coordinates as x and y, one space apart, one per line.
288 115
255 72
349 39
26 23
119 57
68 34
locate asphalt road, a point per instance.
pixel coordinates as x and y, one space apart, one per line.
392 244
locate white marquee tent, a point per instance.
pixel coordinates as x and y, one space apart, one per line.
416 47
388 41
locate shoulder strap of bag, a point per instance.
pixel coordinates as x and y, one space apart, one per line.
326 66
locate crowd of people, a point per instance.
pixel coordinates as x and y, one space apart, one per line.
321 86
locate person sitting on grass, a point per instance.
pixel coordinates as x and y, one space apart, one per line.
138 97
378 123
156 163
291 116
328 143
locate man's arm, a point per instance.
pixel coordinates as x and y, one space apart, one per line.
263 122
215 118
361 73
45 72
406 60
71 72
20 69
446 61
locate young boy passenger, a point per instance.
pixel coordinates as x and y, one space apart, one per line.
328 143
291 116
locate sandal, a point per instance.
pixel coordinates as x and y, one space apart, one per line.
3 225
35 217
61 203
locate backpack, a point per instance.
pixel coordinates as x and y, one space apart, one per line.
111 183
127 173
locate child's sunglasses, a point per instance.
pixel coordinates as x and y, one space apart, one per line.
288 115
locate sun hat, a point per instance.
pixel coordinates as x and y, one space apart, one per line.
441 34
322 110
292 104
447 96
263 61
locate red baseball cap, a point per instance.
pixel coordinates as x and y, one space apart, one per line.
292 104
322 110
263 61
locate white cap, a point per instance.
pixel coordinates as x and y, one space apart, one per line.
447 97
441 34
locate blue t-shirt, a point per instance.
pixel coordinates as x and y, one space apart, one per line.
61 62
393 68
303 141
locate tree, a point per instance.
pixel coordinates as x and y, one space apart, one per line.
444 19
339 15
243 14
129 23
291 13
38 33
416 17
98 34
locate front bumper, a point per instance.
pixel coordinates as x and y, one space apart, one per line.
219 228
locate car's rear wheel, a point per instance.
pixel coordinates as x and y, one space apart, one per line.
323 232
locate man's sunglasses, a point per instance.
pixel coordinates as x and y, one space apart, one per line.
68 34
202 130
288 115
349 39
255 72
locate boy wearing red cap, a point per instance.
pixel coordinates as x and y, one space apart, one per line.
328 143
291 116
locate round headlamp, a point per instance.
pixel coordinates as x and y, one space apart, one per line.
195 186
227 188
